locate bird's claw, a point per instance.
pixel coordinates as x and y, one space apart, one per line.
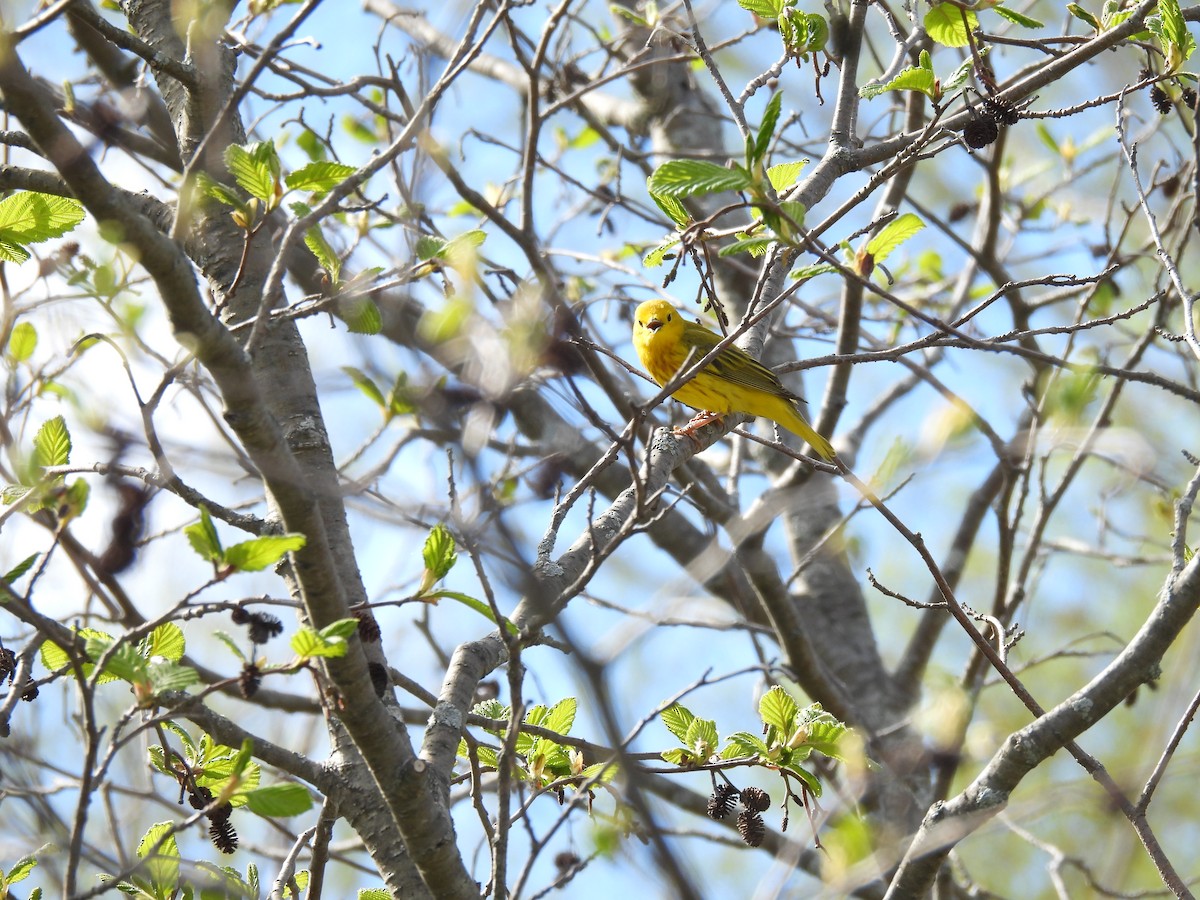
697 422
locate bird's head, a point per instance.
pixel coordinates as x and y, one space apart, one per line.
655 316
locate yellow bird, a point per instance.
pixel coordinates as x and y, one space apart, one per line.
734 382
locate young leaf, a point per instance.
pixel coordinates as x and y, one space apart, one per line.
1083 15
655 257
171 676
329 642
755 246
766 129
203 537
945 24
259 553
702 739
438 554
278 800
162 864
361 316
764 9
674 210
20 568
678 719
1017 18
778 709
319 177
55 657
339 630
52 443
364 383
685 177
28 217
229 642
784 175
747 744
892 235
20 870
562 716
252 170
206 186
165 641
21 342
914 78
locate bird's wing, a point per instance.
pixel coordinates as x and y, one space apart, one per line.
737 366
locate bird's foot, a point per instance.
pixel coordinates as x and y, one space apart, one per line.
698 421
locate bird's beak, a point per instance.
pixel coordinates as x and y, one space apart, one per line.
654 324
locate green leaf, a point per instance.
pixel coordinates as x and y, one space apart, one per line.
1017 18
677 756
463 245
314 240
361 316
473 603
21 342
74 500
678 719
959 76
674 210
748 744
330 641
913 78
251 168
562 716
319 177
686 177
764 9
28 217
766 129
207 186
229 642
260 552
784 175
162 867
1174 28
340 629
55 657
364 383
52 443
12 252
399 399
809 779
171 676
1172 33
945 24
20 870
279 800
165 641
439 554
373 894
13 493
655 257
702 738
203 537
20 568
892 235
1082 14
755 246
778 710
124 663
429 247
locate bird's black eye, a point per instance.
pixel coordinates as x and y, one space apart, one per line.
668 317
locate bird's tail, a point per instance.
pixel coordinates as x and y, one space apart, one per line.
796 424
